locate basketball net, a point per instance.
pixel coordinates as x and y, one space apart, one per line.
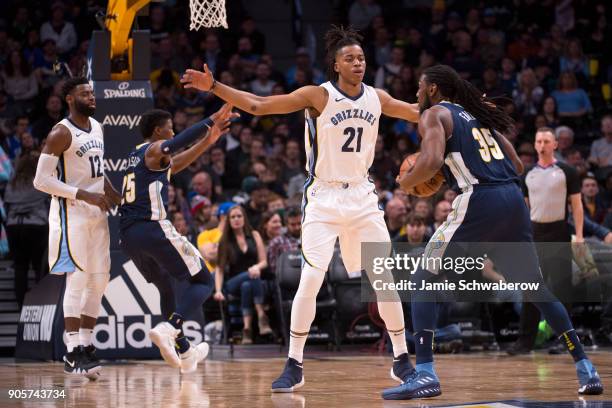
207 13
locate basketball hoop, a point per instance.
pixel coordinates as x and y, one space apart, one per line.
207 13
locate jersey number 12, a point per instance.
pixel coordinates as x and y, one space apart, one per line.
350 132
96 166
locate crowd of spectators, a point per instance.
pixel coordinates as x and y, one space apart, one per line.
544 61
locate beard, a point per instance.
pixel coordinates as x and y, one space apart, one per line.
84 109
425 105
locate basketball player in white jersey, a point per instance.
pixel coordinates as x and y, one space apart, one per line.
71 169
339 201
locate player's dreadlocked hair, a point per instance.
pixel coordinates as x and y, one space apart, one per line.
336 38
460 91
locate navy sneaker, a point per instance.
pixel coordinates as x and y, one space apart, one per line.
423 384
402 368
291 379
78 363
590 383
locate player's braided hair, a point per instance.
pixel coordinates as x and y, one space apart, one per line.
336 38
458 90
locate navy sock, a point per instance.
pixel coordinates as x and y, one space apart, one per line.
573 345
423 343
182 344
176 320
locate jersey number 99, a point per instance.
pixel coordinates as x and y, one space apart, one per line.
129 189
488 145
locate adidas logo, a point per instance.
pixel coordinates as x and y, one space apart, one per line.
126 316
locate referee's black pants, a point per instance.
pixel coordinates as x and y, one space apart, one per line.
556 266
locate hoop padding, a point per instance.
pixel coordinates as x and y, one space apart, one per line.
207 13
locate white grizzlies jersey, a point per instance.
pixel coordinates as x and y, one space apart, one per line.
82 164
340 141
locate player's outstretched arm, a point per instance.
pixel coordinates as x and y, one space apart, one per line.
58 141
302 98
396 108
221 122
159 153
433 144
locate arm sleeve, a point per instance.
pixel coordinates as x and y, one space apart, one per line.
47 182
572 179
186 137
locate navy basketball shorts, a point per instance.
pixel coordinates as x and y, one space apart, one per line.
156 247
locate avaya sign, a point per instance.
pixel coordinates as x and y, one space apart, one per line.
130 121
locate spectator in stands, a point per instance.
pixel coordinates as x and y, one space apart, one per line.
276 203
212 53
292 160
574 60
201 213
450 195
249 30
574 158
202 184
258 199
441 211
13 141
415 231
601 149
565 140
303 62
549 110
508 76
465 62
287 241
59 30
181 224
19 81
572 102
390 70
396 214
242 257
271 226
491 86
27 223
593 205
262 84
177 203
362 12
528 96
43 64
422 207
208 240
53 114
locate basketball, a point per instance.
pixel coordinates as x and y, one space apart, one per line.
427 188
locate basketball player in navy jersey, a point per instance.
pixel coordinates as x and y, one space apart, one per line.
159 252
342 118
462 132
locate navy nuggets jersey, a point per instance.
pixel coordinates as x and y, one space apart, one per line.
145 191
473 155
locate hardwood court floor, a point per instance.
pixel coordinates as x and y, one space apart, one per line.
336 380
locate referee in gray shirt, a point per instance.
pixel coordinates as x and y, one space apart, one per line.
548 187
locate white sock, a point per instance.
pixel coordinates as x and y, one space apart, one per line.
393 316
304 309
73 340
85 335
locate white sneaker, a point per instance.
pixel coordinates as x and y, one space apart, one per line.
191 358
164 335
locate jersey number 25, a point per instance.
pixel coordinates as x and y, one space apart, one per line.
129 189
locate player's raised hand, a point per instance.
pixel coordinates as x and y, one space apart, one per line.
222 120
203 81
